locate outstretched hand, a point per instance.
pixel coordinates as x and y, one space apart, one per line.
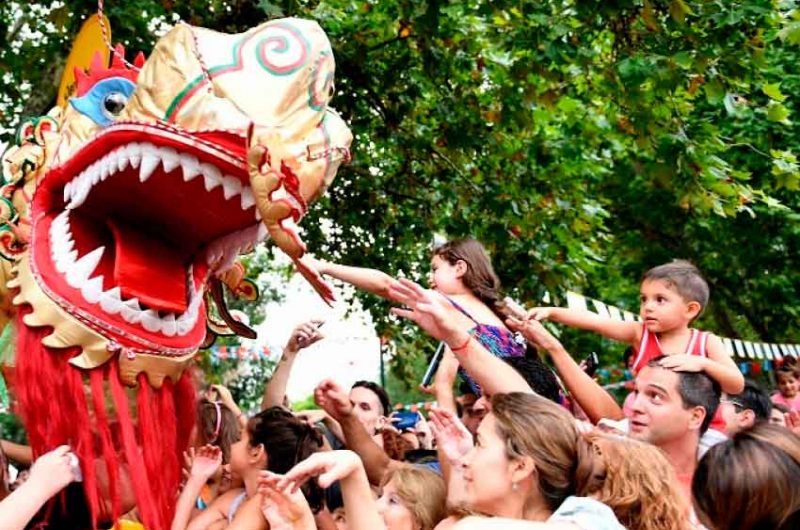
221 393
53 471
333 399
283 508
206 462
429 309
306 266
452 437
684 363
329 466
304 335
539 313
534 332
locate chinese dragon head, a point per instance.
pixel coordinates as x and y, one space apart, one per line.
122 210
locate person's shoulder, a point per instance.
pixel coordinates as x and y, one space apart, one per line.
586 513
224 501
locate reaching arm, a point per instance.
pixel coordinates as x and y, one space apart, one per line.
444 380
596 402
21 454
332 397
721 368
224 395
205 462
443 392
433 313
344 466
628 332
50 474
376 461
371 280
302 336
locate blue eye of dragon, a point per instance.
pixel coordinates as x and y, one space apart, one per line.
105 100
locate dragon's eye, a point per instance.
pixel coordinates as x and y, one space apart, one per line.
113 104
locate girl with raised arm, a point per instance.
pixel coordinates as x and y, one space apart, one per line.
461 271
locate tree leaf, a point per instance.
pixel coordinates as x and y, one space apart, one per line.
778 113
773 90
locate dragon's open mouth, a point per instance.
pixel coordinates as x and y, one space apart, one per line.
135 222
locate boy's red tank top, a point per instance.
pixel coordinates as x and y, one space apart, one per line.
649 349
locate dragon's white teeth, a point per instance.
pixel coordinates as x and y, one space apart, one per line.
151 321
134 154
168 325
231 186
190 167
82 269
149 164
146 157
211 176
111 301
107 165
122 159
248 199
169 158
92 289
95 174
131 311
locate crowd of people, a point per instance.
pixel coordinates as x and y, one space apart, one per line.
521 437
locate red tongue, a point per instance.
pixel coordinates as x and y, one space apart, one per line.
148 269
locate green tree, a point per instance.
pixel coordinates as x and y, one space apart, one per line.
581 141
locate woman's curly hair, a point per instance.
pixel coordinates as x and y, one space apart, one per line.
632 478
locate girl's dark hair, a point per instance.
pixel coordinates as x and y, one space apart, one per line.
208 414
287 440
480 277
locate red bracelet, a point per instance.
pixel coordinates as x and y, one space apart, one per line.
469 338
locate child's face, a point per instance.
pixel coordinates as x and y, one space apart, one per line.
445 278
788 385
662 308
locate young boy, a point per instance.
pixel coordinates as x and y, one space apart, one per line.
672 296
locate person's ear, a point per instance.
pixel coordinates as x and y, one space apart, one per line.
381 423
693 309
698 414
461 268
747 418
257 454
521 469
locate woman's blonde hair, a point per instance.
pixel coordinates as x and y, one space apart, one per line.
422 491
632 478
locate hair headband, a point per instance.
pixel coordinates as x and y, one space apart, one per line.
219 421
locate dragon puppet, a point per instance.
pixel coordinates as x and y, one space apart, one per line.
121 213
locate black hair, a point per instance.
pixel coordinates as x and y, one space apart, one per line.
696 390
538 376
379 391
287 440
754 398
